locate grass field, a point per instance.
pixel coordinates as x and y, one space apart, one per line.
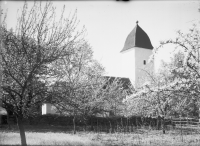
140 137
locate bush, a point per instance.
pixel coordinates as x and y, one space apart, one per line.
57 120
61 120
93 123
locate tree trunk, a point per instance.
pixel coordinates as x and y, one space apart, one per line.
111 128
1 120
74 123
21 130
158 123
8 120
85 124
163 125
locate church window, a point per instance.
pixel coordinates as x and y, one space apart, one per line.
144 62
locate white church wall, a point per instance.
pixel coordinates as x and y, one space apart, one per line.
142 66
128 64
133 66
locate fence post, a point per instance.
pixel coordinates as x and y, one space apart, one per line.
181 130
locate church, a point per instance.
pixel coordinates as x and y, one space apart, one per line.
135 55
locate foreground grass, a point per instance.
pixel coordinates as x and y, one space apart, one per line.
49 138
140 137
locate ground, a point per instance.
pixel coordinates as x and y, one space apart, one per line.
50 135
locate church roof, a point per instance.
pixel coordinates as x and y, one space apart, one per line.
137 38
124 81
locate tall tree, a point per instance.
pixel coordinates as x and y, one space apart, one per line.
152 100
77 76
27 51
110 97
188 72
81 88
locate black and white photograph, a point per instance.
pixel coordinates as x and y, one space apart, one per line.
100 73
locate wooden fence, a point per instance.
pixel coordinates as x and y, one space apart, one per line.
186 122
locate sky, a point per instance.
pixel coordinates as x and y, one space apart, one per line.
108 24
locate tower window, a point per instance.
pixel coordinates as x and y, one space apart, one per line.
144 62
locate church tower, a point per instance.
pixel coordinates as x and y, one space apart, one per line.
135 55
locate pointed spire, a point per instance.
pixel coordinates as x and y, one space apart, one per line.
137 22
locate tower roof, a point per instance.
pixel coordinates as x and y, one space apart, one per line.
137 38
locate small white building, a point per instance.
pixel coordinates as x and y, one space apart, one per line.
48 108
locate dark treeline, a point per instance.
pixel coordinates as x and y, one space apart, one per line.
93 123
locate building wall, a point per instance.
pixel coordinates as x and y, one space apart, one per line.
128 64
48 108
141 70
133 65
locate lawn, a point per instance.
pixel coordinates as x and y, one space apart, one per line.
140 137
